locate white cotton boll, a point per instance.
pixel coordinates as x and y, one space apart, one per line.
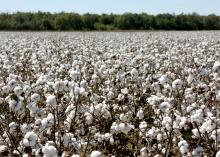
163 79
159 137
183 147
58 86
218 154
143 152
153 100
197 151
195 132
96 153
189 109
134 72
125 127
165 106
25 128
74 74
140 114
89 118
107 136
25 155
177 84
49 150
3 148
5 89
67 139
35 97
143 126
18 90
51 100
12 84
30 139
82 91
27 89
216 66
124 91
182 122
218 96
124 117
197 116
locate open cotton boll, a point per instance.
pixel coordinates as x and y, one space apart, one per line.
125 127
12 84
30 139
163 79
5 89
134 72
58 86
140 114
51 100
177 84
35 97
218 154
183 147
96 153
49 150
164 106
197 151
18 90
218 96
216 66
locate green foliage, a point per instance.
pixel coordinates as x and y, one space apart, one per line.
126 21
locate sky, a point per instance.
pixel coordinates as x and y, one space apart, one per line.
202 7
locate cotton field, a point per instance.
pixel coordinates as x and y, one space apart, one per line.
99 94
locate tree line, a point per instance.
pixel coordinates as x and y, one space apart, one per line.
126 21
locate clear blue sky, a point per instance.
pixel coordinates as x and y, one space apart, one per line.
202 7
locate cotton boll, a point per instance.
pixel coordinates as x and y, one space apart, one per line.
74 74
18 90
143 126
35 97
177 84
183 147
216 66
195 132
218 154
140 114
5 89
124 117
125 127
96 153
163 79
165 106
58 86
49 150
143 152
67 139
12 84
159 137
30 139
124 91
27 89
218 96
134 73
51 100
197 151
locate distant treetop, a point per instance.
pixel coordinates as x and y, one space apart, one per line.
126 21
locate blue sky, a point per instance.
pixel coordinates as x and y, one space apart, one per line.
203 7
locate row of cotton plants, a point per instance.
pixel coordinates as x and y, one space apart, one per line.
110 94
